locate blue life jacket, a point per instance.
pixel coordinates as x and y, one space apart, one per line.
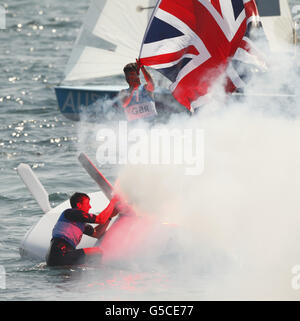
67 230
141 105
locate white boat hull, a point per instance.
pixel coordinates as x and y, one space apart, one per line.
37 240
127 238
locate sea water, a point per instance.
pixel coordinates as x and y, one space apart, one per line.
35 45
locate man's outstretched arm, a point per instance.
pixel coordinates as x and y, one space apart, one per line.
108 212
150 83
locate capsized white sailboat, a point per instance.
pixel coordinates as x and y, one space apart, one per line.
126 239
110 37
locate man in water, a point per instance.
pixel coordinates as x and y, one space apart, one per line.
70 227
138 100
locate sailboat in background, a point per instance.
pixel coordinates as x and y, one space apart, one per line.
111 36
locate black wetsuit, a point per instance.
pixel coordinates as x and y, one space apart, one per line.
66 235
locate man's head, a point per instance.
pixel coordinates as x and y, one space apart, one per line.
80 201
132 75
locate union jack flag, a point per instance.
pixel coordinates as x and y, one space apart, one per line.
193 42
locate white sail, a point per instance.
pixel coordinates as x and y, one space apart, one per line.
278 26
110 37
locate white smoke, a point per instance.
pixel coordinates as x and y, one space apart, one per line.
239 220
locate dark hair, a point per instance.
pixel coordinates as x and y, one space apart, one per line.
77 198
130 67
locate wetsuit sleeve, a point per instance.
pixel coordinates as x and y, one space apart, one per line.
88 230
75 215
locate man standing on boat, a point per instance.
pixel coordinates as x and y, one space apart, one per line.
70 227
138 100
